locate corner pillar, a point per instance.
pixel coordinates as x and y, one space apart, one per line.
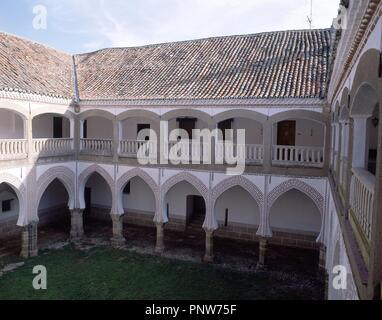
322 259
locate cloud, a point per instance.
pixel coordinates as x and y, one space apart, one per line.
137 22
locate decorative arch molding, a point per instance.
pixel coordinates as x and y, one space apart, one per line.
138 113
238 181
161 216
83 178
137 172
336 114
299 185
19 188
65 176
300 114
365 100
303 187
182 113
15 108
43 111
240 113
96 113
366 71
344 97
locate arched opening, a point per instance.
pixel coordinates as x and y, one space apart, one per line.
13 143
10 235
134 131
295 216
51 126
254 138
53 214
238 216
139 206
365 115
11 125
98 204
186 209
97 135
299 142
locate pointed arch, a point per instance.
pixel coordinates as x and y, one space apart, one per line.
137 172
83 178
299 185
19 188
240 181
65 176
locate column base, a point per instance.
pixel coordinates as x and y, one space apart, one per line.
77 229
208 259
118 242
159 246
29 246
263 247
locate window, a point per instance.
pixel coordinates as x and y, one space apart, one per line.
126 190
6 206
143 126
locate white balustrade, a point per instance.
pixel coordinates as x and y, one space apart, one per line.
97 146
252 153
362 199
13 149
298 156
52 147
132 148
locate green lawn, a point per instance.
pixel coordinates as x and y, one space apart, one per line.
105 273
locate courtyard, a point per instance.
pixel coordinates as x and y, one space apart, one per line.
94 270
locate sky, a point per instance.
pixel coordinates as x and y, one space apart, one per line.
76 26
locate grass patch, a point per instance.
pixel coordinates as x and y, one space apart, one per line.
106 273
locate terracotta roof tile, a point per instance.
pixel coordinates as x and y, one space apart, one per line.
29 67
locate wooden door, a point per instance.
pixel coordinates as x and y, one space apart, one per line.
286 133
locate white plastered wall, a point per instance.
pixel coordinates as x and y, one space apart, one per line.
141 198
99 128
242 208
11 125
43 127
177 198
100 191
294 211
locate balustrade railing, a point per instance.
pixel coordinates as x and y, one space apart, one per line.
252 153
97 146
362 200
133 148
13 149
53 147
298 155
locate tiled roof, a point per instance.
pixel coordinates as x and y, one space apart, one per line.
286 64
28 67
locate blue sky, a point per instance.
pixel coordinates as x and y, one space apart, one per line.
76 26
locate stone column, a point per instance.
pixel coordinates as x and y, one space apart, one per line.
322 260
263 247
268 145
77 225
118 238
29 246
159 247
209 254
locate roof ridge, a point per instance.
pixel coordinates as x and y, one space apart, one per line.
204 39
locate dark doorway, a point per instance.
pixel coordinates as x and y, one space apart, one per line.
286 133
85 129
225 125
88 201
187 124
196 211
57 128
143 126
